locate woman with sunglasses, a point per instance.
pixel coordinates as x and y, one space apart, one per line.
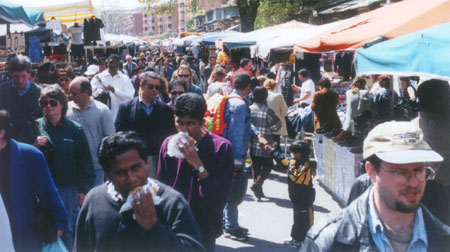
67 152
176 88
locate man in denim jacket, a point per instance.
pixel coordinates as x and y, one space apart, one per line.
239 131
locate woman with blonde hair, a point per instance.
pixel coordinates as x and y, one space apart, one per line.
219 83
357 99
276 102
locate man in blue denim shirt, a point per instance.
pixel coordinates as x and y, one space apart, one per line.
389 216
239 131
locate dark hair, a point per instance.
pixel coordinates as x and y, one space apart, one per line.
384 81
190 104
85 85
19 63
301 147
406 79
113 57
260 94
244 62
117 144
325 82
431 94
177 83
241 80
55 92
375 161
303 72
5 124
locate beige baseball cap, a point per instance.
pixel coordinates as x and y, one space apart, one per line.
399 143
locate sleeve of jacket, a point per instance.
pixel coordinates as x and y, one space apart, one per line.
275 122
161 171
176 228
126 92
216 187
107 123
46 191
81 241
85 167
122 121
236 132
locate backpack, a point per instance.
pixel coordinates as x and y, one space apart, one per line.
215 113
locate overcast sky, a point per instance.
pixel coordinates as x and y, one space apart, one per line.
100 5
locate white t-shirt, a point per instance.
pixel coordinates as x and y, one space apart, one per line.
307 86
76 32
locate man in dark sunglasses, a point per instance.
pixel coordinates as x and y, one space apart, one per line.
148 116
390 215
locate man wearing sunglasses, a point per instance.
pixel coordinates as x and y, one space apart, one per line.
184 73
148 116
390 215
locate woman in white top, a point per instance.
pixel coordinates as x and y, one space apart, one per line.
357 101
218 83
276 102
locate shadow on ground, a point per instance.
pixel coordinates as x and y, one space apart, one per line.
255 244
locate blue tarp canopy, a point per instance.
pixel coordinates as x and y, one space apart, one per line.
426 52
211 39
17 14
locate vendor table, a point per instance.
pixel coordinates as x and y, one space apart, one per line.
337 167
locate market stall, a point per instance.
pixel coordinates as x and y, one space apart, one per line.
390 21
65 11
424 53
252 38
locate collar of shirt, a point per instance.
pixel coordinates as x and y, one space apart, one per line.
59 124
23 91
91 105
148 109
419 236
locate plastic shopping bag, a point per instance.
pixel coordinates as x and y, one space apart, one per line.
57 246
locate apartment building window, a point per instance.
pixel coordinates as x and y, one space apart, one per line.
160 19
161 29
169 26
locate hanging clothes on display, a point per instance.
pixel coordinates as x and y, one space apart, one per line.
77 45
55 25
35 49
91 30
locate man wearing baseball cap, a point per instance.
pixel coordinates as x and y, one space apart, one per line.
390 215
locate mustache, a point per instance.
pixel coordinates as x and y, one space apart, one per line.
411 190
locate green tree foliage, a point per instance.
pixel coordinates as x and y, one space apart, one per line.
272 12
160 7
248 10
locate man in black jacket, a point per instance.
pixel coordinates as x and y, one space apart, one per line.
148 116
390 215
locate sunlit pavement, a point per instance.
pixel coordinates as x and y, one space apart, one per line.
270 221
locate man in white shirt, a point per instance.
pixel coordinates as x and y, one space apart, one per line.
115 82
306 91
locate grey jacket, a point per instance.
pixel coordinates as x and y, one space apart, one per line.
349 230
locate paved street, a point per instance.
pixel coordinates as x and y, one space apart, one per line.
270 221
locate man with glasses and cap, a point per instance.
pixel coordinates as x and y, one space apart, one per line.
148 116
389 216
